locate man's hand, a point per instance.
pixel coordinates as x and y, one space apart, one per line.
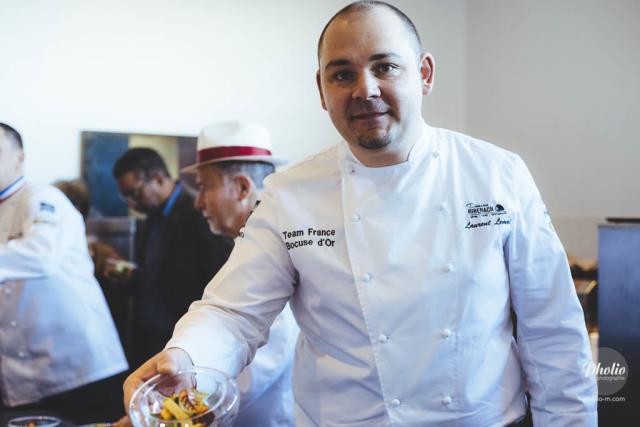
167 362
116 270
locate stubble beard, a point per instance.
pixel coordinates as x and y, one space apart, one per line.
374 143
372 138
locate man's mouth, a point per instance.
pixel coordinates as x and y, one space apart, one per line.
368 115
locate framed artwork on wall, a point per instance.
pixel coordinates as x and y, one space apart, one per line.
100 150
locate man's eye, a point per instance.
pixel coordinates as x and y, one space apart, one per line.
385 68
341 76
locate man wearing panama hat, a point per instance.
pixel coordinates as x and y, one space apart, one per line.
233 159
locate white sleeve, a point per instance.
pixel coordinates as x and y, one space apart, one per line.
270 361
47 237
552 338
225 328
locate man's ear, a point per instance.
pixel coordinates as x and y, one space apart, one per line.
427 68
243 186
319 83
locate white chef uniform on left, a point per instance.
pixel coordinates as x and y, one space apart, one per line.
56 332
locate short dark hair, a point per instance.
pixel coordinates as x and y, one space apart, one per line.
257 171
367 5
13 134
143 161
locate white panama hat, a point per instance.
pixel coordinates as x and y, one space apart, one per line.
234 140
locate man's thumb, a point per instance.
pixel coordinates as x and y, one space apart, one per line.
167 365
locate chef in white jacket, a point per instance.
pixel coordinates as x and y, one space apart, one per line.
401 250
59 349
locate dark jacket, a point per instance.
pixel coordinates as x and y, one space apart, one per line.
188 256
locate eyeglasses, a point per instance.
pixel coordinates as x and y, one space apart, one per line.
133 194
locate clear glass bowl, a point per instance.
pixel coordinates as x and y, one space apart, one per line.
36 420
223 399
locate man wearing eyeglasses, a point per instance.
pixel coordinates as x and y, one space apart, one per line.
176 253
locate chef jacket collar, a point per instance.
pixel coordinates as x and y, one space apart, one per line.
423 146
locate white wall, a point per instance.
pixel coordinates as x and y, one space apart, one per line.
557 82
172 67
551 80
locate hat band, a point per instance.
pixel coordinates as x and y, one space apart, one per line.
215 153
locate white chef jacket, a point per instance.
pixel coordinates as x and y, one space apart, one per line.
266 396
401 279
56 332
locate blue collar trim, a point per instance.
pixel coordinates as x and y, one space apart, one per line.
172 199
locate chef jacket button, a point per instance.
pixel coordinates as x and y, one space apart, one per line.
447 268
435 154
366 277
442 207
382 338
351 169
13 323
22 354
395 402
446 333
355 218
446 400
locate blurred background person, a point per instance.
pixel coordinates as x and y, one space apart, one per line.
111 270
59 350
78 194
176 254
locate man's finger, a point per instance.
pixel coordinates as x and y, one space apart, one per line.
130 386
166 362
172 360
137 378
167 365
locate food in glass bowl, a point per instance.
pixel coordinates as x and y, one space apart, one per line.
194 397
184 405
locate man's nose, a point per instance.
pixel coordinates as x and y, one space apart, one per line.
366 87
198 203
